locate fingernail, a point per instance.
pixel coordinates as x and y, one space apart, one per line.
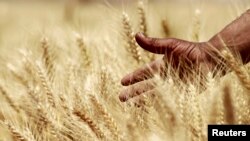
140 34
123 82
123 98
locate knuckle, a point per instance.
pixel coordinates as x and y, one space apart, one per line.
154 42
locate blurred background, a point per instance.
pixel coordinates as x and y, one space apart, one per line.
23 20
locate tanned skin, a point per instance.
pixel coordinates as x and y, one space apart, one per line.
236 36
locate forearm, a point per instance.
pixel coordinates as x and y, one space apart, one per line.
236 36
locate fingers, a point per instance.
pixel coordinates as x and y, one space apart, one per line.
144 73
136 90
154 45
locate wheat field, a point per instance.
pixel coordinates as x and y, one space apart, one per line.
61 66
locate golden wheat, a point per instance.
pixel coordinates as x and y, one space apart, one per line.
132 46
90 122
17 136
48 58
9 99
84 53
75 96
142 14
237 68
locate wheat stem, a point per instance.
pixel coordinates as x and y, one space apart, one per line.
228 105
165 27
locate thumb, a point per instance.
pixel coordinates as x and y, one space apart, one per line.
155 45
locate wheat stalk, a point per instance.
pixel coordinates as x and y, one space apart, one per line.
2 118
165 27
228 105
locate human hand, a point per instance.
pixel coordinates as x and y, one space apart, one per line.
179 54
176 53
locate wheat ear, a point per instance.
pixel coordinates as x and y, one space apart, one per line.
9 100
83 52
69 10
143 21
16 135
220 119
103 85
42 121
237 68
196 26
110 123
45 85
82 115
133 49
143 25
198 115
48 59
